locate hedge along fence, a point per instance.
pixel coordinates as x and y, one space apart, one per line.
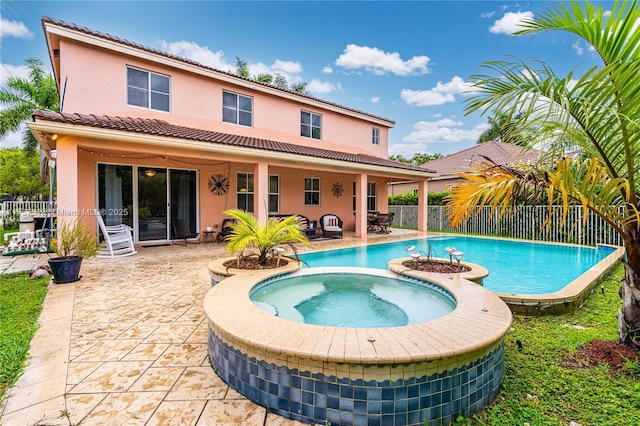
525 222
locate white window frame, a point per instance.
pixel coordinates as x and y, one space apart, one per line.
310 125
311 190
275 195
248 192
236 109
372 196
149 90
375 136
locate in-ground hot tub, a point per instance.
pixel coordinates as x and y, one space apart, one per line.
428 371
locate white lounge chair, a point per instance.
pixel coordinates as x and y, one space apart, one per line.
118 240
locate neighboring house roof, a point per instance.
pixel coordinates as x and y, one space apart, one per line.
498 152
124 42
164 129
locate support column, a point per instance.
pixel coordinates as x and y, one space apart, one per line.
67 181
423 197
361 206
261 191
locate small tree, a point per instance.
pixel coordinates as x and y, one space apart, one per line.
247 232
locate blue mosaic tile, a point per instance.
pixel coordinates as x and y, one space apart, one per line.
437 399
359 406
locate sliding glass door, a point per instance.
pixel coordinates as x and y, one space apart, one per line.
147 199
152 204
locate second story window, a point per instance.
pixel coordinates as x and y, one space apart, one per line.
147 89
375 136
237 109
310 125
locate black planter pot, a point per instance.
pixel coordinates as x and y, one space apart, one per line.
65 270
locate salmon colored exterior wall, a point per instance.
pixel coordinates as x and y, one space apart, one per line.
96 81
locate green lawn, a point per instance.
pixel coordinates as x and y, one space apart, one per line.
20 306
539 390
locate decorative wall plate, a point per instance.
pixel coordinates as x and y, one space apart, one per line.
337 190
218 184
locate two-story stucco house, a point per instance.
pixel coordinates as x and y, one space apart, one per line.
148 137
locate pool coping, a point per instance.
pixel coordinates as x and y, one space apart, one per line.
480 319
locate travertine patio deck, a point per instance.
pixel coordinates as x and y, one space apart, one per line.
127 344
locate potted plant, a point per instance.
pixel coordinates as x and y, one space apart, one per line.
74 241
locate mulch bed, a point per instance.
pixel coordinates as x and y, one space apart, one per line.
437 267
251 263
601 352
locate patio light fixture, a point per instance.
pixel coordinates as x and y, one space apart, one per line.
450 250
149 173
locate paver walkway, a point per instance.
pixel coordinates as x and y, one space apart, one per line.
127 345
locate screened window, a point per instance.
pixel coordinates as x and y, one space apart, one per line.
310 125
311 191
372 196
274 194
244 191
237 109
375 136
147 89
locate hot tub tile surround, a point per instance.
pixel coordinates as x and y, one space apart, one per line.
295 369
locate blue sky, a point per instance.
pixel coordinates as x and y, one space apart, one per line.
407 61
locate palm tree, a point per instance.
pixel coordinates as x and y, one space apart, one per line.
22 97
598 112
248 233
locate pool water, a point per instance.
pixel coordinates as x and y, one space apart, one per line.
515 267
351 300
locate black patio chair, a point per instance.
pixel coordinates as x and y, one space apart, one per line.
181 231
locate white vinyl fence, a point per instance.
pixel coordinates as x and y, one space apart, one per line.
10 210
541 223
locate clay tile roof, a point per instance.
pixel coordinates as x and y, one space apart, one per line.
163 128
498 152
74 27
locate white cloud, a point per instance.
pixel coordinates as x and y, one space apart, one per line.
327 70
288 67
445 130
8 70
380 63
14 29
578 48
374 100
439 95
510 22
488 14
317 86
200 54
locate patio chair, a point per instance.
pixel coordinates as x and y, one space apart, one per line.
181 231
384 222
331 226
225 229
118 239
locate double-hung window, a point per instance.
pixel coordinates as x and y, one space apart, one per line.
148 89
310 125
311 191
244 191
274 194
237 109
372 196
375 136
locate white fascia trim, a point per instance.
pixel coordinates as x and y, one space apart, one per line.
193 145
173 63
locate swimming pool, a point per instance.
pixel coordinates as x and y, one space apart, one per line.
515 267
